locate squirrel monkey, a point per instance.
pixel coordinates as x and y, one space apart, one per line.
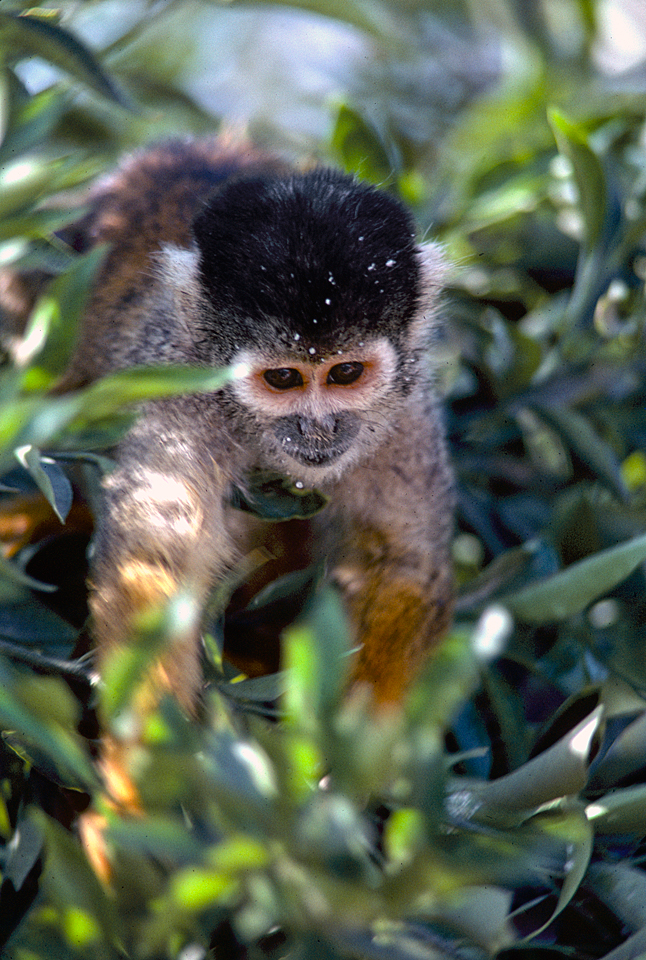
222 255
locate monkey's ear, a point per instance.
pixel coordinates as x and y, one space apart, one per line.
434 274
434 268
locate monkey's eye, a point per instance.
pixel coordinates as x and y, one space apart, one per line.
284 378
343 374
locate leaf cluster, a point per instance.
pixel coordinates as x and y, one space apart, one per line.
503 813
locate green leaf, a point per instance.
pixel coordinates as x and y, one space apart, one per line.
128 665
23 852
577 430
31 123
34 224
73 889
195 889
23 181
498 575
25 34
450 676
274 497
296 584
50 479
29 623
624 757
623 888
572 590
622 810
70 293
588 173
483 917
156 835
567 823
118 390
41 711
257 690
359 149
13 582
560 771
315 655
77 418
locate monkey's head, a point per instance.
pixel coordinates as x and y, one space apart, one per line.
315 282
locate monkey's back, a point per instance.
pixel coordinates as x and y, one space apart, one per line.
149 202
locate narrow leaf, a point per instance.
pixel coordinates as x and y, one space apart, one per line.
558 772
359 147
570 826
137 384
588 173
315 657
50 479
39 38
571 590
277 498
623 889
620 811
579 433
14 579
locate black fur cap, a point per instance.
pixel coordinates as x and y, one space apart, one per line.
315 257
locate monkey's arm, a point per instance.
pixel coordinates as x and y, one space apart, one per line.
162 532
394 563
161 528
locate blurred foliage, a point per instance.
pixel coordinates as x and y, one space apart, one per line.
504 813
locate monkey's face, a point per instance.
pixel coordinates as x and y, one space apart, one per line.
316 419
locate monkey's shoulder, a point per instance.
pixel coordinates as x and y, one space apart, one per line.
155 194
147 204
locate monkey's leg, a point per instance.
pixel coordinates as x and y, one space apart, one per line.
393 559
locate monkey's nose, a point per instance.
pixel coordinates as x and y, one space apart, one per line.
324 429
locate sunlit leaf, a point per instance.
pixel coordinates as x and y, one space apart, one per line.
70 293
315 655
24 180
588 172
623 810
113 392
560 771
50 478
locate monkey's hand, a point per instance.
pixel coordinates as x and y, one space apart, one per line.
398 621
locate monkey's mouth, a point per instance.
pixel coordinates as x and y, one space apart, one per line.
316 442
314 458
